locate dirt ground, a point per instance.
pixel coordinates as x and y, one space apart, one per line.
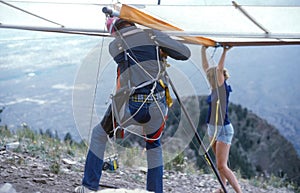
26 174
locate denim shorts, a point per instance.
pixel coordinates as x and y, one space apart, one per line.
224 133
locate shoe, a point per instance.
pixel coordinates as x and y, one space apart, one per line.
219 190
82 189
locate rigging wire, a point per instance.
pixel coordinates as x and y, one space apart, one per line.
172 113
66 37
250 17
134 58
96 86
57 2
152 78
30 13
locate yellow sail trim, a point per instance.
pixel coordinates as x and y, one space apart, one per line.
137 16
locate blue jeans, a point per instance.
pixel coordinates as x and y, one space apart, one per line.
95 156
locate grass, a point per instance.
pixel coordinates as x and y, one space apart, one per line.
42 145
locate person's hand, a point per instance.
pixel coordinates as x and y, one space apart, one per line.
163 54
204 48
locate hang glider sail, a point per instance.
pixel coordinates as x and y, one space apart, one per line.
135 15
233 25
223 25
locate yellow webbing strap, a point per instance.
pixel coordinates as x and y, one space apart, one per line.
169 99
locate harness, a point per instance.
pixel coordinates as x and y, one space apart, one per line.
128 92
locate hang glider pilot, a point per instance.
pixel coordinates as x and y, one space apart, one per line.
141 85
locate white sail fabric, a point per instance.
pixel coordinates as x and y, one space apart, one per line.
224 23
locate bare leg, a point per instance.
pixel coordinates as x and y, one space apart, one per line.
214 146
222 152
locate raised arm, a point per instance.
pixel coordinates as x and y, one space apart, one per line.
222 59
204 59
173 48
220 69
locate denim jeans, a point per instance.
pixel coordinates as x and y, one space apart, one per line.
95 156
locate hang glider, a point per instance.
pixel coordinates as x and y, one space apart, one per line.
233 25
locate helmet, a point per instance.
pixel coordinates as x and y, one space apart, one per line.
115 23
110 24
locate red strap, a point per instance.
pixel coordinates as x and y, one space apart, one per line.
158 132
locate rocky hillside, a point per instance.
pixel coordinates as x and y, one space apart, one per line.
28 171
